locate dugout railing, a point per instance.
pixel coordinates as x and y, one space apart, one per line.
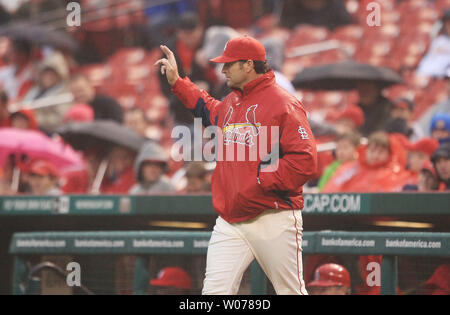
390 245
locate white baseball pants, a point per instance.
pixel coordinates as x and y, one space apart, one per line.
274 238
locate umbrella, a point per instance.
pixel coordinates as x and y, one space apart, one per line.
85 135
344 76
35 144
39 34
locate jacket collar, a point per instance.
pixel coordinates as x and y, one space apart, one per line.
257 84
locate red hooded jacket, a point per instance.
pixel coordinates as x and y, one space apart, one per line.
243 189
358 176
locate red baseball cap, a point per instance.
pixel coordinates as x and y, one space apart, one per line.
329 275
174 277
425 145
354 113
242 48
79 113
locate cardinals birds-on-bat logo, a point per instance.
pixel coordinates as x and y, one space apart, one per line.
243 132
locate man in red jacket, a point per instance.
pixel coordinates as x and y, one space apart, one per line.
259 199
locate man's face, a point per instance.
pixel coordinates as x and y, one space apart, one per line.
48 78
136 121
376 154
417 160
345 151
426 181
40 184
368 92
399 112
194 184
82 90
333 290
152 171
235 74
443 168
20 122
191 38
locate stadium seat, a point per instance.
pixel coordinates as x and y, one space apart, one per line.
98 74
127 56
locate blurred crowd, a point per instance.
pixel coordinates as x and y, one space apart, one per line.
83 110
379 138
59 83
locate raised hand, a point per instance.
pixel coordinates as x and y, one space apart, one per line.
168 65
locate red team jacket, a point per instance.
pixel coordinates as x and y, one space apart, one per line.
243 189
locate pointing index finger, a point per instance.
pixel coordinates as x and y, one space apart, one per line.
167 52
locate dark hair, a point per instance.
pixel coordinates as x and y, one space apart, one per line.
23 46
260 67
354 138
3 97
139 110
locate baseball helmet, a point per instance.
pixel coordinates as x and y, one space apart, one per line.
329 275
174 277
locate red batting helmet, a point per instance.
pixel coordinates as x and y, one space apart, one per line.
329 275
174 277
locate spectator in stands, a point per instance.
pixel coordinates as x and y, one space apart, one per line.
187 42
437 59
275 56
81 181
424 121
439 282
216 37
136 119
440 127
347 121
79 113
150 168
104 107
51 82
403 108
172 281
17 78
328 13
119 177
441 163
346 152
24 119
197 178
330 279
375 106
427 180
238 14
43 178
4 113
161 17
419 154
380 167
